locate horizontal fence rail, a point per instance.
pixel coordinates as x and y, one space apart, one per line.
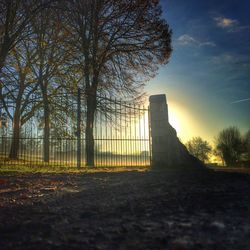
121 135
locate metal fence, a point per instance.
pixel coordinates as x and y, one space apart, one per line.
121 134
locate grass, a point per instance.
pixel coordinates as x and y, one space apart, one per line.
38 166
22 166
64 169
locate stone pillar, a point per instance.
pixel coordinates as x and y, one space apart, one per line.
167 150
159 124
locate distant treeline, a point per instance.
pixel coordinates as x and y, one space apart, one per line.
231 147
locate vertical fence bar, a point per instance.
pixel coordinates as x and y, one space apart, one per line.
106 130
130 135
140 137
100 137
110 134
78 128
149 138
116 141
95 136
126 141
135 136
121 138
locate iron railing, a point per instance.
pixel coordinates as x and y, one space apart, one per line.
121 134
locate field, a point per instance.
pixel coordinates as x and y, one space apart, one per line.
129 209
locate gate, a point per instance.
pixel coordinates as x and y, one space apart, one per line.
121 134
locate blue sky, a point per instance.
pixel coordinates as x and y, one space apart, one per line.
207 81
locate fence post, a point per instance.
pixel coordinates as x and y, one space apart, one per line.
78 128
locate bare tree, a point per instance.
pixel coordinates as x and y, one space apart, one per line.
229 144
33 52
199 148
119 45
48 39
14 19
18 94
246 141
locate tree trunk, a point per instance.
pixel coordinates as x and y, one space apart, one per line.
15 137
91 108
1 63
46 131
15 142
4 50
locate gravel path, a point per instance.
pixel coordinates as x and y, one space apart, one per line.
125 210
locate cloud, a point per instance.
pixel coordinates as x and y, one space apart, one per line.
242 100
224 22
186 39
212 44
189 40
230 25
231 58
223 59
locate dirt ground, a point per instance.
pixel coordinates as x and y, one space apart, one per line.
125 210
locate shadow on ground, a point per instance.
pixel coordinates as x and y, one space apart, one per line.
127 210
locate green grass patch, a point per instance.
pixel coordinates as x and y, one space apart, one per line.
64 169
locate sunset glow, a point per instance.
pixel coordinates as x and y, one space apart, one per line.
182 121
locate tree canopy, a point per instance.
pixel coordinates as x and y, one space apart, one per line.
229 144
199 148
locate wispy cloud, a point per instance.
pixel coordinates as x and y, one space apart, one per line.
186 39
224 22
231 58
212 44
242 100
223 59
189 40
229 24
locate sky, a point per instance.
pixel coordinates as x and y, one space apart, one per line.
207 79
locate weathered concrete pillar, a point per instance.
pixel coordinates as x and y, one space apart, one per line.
167 150
159 124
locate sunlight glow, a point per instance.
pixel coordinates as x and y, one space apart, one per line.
185 123
180 120
174 120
